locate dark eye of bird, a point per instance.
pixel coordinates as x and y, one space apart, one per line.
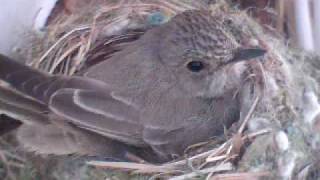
195 66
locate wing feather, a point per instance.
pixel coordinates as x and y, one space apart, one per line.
99 112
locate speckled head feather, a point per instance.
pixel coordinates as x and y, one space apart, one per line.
199 34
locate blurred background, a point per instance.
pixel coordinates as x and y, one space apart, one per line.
18 18
296 20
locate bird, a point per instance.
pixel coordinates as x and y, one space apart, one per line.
173 87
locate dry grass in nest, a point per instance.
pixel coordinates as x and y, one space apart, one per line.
10 159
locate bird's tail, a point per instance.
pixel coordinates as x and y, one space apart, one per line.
16 102
21 77
40 85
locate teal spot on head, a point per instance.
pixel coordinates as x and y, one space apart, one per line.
156 18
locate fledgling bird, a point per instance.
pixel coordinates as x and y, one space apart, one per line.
172 88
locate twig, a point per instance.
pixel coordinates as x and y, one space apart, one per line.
255 134
9 173
215 169
43 57
216 158
247 118
173 11
201 155
220 149
64 55
137 167
240 176
83 50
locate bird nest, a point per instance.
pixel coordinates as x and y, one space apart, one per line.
275 137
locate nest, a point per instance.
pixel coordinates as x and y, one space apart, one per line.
273 138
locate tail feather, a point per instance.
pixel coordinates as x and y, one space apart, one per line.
24 115
17 99
40 85
16 73
19 76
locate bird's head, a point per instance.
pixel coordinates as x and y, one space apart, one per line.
205 58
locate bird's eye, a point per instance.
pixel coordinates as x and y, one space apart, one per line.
195 66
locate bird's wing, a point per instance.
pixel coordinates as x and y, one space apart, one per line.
86 102
99 112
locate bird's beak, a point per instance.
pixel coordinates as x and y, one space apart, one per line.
247 54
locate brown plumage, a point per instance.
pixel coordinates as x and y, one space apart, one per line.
172 88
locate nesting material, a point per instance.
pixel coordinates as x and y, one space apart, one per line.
71 38
278 113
